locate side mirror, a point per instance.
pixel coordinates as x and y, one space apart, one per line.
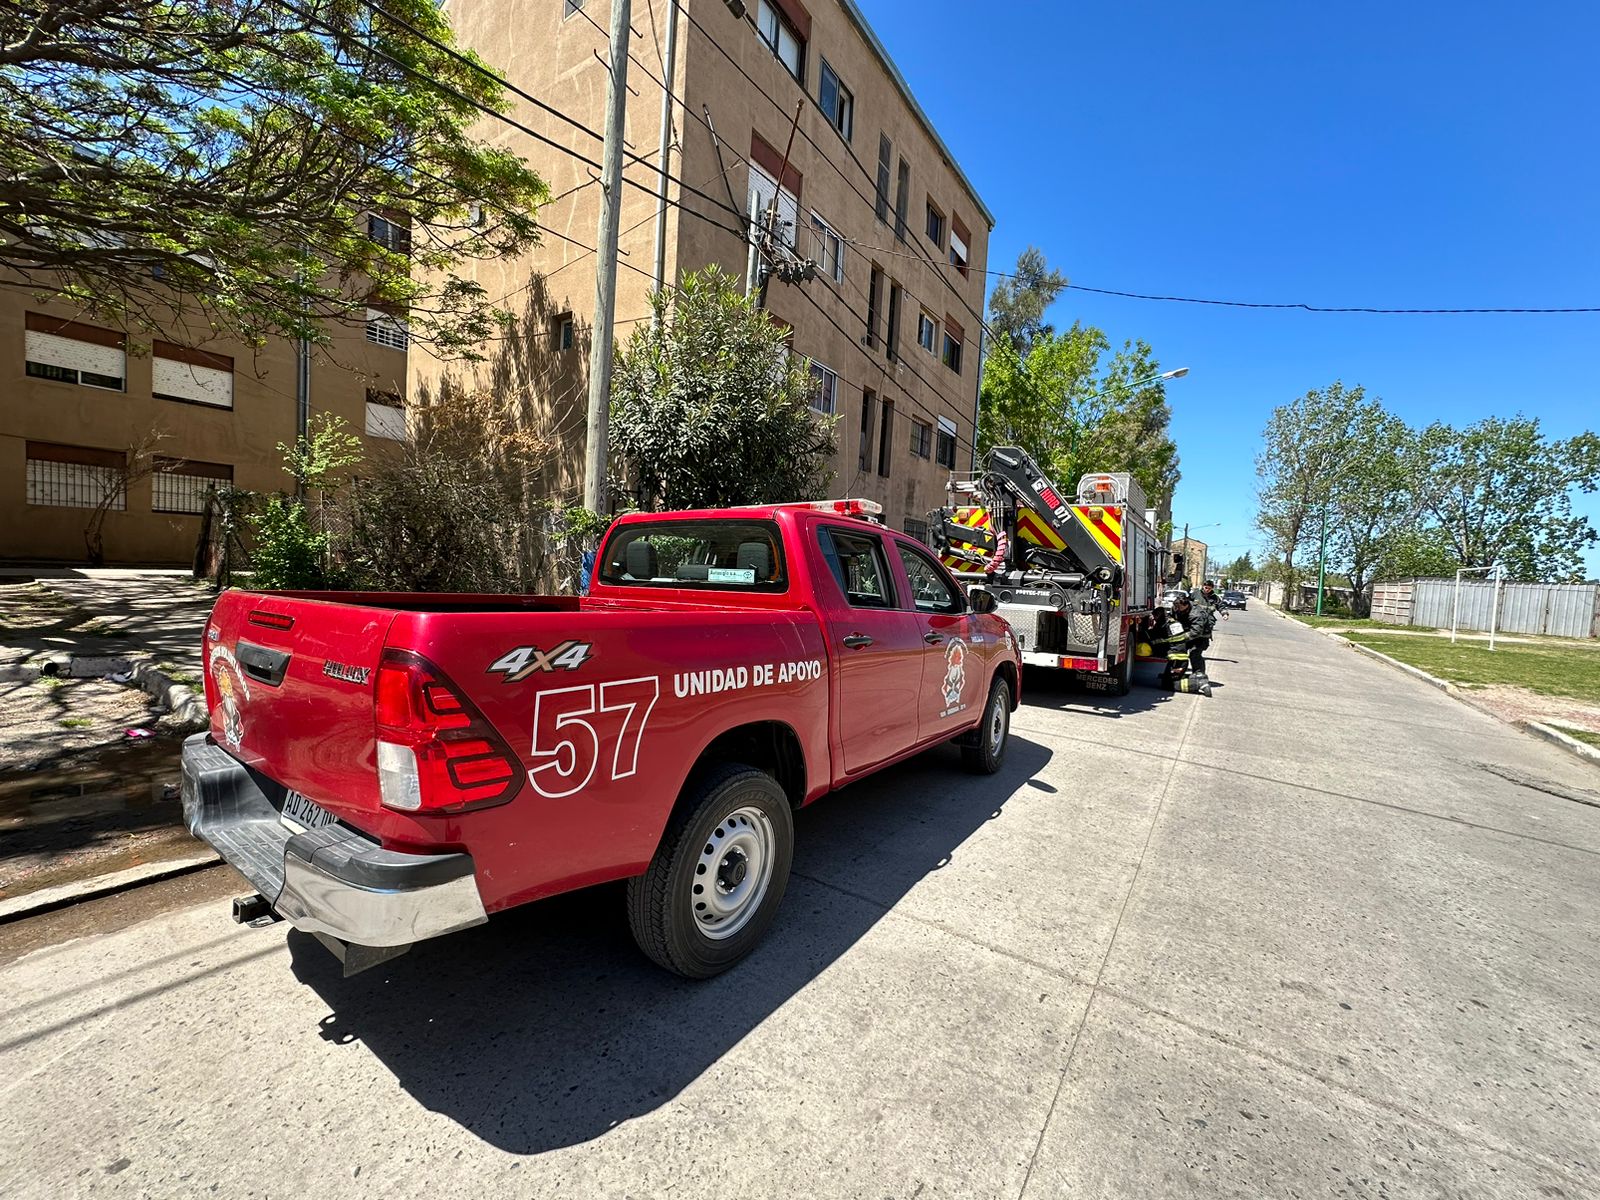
982 600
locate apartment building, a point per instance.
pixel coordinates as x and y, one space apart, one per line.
890 323
80 395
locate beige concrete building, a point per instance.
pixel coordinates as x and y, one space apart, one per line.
871 194
78 396
1194 553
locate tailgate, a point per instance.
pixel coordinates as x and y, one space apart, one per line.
290 683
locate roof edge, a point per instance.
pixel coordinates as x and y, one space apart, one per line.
858 18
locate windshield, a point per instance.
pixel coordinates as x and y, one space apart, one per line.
741 556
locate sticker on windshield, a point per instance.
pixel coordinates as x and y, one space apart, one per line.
516 665
730 575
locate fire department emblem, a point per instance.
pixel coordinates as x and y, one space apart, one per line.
955 672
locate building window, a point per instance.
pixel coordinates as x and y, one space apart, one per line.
927 332
391 235
830 249
958 245
783 37
76 476
885 432
70 352
824 389
921 439
565 335
885 152
864 454
786 221
953 336
945 444
386 414
902 197
917 529
184 487
838 104
192 376
935 226
874 298
891 342
385 329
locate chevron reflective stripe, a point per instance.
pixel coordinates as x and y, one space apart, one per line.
971 518
1031 529
1104 525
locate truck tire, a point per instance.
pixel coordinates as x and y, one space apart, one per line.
987 749
718 875
1122 681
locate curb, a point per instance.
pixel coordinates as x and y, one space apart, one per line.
51 898
1557 738
1444 685
187 707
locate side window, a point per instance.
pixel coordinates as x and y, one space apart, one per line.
859 567
931 592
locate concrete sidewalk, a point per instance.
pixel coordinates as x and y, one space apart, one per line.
1328 933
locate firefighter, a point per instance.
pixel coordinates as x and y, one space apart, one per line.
1186 664
1208 595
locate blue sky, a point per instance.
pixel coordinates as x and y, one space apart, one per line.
1416 155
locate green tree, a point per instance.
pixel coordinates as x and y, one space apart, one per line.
292 544
164 158
1018 304
1240 568
710 407
1057 403
1305 442
1373 497
1501 492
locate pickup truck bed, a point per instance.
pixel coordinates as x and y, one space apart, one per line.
385 768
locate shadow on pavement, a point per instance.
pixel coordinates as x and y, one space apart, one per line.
1045 688
547 1027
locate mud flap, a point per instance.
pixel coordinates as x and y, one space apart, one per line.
359 958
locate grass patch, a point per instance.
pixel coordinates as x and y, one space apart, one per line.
1326 622
76 722
1550 670
50 682
1583 735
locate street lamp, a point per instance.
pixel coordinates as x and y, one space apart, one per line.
1175 373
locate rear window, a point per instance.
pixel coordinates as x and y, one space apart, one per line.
737 556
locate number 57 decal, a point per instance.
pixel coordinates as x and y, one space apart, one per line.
569 732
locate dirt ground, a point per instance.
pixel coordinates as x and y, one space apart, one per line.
1519 704
79 796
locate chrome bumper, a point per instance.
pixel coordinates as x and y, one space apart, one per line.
332 881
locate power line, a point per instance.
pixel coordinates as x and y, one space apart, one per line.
1325 308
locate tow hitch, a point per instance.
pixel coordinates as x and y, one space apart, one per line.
254 911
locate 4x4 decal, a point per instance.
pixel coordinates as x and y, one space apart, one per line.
516 665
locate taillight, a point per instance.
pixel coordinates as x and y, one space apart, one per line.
436 752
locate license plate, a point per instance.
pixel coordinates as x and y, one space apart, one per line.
301 813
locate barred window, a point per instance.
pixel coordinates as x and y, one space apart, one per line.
181 487
921 438
76 476
386 330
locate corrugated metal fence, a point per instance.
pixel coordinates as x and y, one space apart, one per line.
1557 609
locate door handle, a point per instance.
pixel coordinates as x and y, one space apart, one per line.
857 640
932 638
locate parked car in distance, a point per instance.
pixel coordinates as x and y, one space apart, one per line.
1235 600
387 767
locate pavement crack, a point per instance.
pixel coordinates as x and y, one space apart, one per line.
1111 944
1577 796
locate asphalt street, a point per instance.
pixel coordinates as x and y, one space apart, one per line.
1327 933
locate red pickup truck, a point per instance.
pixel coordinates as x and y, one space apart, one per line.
385 768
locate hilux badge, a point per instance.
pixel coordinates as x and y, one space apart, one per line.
339 670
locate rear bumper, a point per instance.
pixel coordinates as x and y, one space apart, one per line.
333 881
